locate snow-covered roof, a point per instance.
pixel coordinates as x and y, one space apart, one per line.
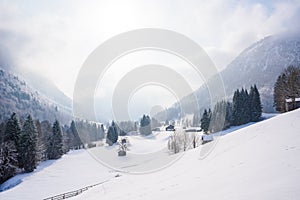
290 100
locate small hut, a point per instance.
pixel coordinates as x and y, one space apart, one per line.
170 128
291 104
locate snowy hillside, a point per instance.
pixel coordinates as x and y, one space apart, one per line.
260 161
259 64
19 97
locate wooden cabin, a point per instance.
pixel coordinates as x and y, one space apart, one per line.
292 105
170 128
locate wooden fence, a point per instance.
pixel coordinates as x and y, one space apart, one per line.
73 193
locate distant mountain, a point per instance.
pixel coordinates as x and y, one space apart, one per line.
16 95
48 88
259 64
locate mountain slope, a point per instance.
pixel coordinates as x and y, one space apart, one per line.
48 89
260 161
17 96
259 64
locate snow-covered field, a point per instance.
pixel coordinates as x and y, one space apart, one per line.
259 161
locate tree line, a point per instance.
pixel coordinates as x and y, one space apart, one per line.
287 86
122 128
25 143
245 107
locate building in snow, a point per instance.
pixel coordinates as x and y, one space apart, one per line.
170 128
292 105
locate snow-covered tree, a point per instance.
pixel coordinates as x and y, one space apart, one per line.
280 93
28 145
287 86
205 121
112 134
55 143
8 160
175 142
145 125
9 157
256 107
75 139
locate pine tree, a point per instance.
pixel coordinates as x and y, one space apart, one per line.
145 125
112 134
116 130
280 93
102 132
66 138
55 143
256 107
43 138
236 118
287 86
41 142
205 121
246 107
8 160
293 83
12 133
109 136
9 157
75 139
228 116
28 145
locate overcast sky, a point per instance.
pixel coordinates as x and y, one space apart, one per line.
53 38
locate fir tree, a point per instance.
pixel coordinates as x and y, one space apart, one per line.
102 132
28 145
280 93
41 142
256 107
228 115
12 133
9 157
75 139
236 107
145 125
112 134
245 107
13 130
55 143
287 86
116 130
43 138
205 121
8 160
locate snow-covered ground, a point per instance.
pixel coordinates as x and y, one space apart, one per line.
259 161
73 171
